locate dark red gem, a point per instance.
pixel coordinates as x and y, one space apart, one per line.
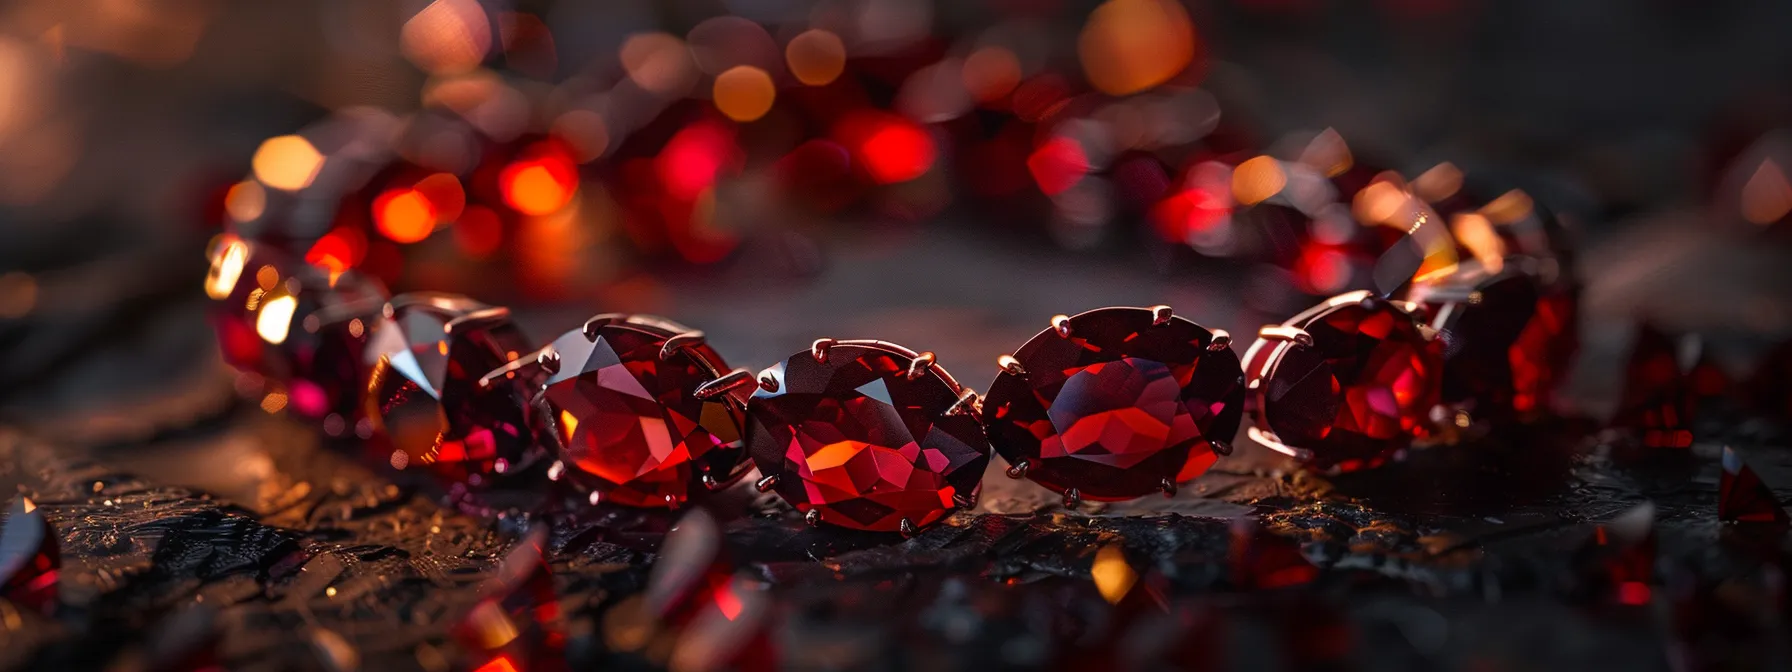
29 559
517 619
300 328
1657 403
1356 395
1743 498
1619 559
629 423
1119 407
1480 318
857 442
1544 351
425 396
1261 560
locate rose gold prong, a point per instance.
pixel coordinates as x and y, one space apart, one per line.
545 358
766 484
767 382
965 501
1221 341
1072 497
1280 333
1160 315
1271 442
1220 447
1168 486
1018 470
819 349
813 517
920 365
1061 324
478 317
710 483
738 379
548 359
689 339
1011 365
671 503
907 528
599 320
968 403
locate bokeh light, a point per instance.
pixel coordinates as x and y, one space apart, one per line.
815 57
659 62
447 36
990 73
274 318
228 259
1129 46
891 149
404 215
744 93
245 201
287 162
541 182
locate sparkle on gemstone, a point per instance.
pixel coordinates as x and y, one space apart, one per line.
1119 407
857 441
30 561
629 424
1358 394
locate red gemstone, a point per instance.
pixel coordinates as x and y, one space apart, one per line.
1743 498
857 443
1544 351
1657 403
1344 385
29 558
425 397
1505 340
1620 556
517 619
1262 560
629 423
296 326
1118 408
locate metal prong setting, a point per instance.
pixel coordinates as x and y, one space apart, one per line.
767 382
1168 486
1018 470
546 358
1272 442
766 484
921 364
1061 324
1280 333
1221 341
813 517
671 503
819 349
965 501
710 483
1011 365
1072 497
596 321
738 379
477 317
1160 315
968 402
689 339
907 528
1220 447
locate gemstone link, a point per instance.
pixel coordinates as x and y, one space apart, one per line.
1119 408
628 421
1480 317
852 441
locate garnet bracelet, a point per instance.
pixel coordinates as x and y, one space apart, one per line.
1110 404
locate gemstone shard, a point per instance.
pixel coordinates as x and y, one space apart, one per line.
427 357
1618 560
1120 407
628 422
1658 402
853 442
30 561
1743 498
517 618
1344 385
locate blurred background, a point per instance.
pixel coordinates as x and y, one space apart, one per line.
946 175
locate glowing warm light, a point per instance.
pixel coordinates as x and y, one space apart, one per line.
1322 270
18 294
227 267
339 250
1379 203
1328 154
1058 164
991 73
288 162
500 664
659 62
1187 215
447 36
891 148
274 402
569 423
1512 206
744 93
1129 46
446 197
1256 180
816 57
540 185
245 201
478 233
1767 196
728 602
584 132
275 318
1440 182
693 158
404 215
1476 234
1113 577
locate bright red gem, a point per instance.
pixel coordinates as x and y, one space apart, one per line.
29 559
428 356
1118 408
1263 560
517 619
1344 385
629 423
856 442
1743 498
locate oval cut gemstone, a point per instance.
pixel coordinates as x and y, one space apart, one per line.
1479 317
427 357
629 423
856 443
1119 407
1344 385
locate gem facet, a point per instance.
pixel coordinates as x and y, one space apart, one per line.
427 357
1480 318
1354 397
853 441
1743 498
630 424
1119 407
29 557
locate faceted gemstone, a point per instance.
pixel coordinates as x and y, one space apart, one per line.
1263 560
629 423
517 619
1356 395
296 326
29 558
1657 402
1119 407
1480 317
1743 498
1619 559
1544 351
856 442
427 357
